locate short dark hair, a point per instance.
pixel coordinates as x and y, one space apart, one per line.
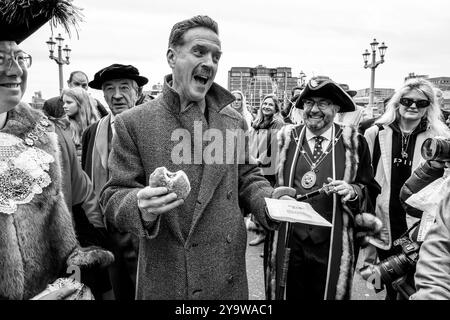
180 28
74 73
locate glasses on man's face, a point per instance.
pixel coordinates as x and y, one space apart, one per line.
407 102
321 104
21 58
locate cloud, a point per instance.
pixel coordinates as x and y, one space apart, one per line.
326 37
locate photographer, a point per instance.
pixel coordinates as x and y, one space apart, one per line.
432 270
412 115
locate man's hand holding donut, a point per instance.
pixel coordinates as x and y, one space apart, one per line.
153 201
166 191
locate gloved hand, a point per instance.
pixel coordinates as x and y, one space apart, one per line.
284 193
59 294
366 225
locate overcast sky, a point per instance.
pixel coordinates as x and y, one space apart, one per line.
324 37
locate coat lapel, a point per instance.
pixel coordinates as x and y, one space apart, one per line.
216 99
212 173
101 140
386 150
417 159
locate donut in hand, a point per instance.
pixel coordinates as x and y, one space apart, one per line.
177 182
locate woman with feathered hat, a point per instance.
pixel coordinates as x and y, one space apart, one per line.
37 238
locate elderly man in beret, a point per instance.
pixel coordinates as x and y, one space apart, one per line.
312 155
120 85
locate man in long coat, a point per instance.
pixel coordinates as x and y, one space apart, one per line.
120 85
192 248
321 261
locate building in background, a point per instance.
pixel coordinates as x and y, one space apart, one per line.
442 83
413 75
37 102
255 83
155 91
380 94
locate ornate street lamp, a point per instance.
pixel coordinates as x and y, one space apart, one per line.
373 65
59 58
300 81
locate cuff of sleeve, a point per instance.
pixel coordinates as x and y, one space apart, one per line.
354 203
272 224
151 226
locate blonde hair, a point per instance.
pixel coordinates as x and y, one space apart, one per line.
245 113
439 95
432 114
85 115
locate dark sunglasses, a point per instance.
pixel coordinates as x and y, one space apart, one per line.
419 103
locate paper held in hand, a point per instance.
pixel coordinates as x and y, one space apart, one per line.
428 200
294 211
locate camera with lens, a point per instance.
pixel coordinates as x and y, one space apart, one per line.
396 268
436 149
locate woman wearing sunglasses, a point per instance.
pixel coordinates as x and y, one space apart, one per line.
395 141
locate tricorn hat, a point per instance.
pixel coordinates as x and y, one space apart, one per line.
117 71
324 87
21 18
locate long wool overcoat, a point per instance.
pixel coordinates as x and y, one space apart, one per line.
209 263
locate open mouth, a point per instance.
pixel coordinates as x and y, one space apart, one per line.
315 117
10 85
202 79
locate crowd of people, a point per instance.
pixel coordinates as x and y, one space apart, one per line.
74 188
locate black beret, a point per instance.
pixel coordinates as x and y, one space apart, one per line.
117 71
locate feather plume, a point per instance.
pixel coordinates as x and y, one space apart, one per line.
59 12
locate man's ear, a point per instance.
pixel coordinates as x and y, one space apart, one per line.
171 57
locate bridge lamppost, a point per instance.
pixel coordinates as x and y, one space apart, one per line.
300 81
59 58
373 65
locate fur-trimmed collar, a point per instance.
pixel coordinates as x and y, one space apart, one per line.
350 139
23 119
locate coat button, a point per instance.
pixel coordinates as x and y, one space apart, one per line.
229 194
229 238
196 293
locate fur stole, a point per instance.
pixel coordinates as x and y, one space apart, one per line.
37 240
